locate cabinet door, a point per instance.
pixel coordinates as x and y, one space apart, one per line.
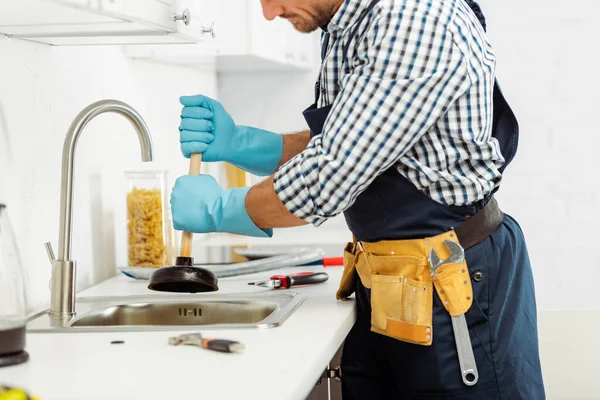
233 30
31 16
153 13
269 38
204 15
245 40
72 22
244 31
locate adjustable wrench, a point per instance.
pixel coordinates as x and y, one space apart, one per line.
457 256
464 348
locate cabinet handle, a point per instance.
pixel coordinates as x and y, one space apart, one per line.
211 29
185 17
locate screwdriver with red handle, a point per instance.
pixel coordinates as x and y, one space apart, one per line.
287 281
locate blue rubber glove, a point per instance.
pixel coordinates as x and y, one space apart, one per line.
207 128
200 205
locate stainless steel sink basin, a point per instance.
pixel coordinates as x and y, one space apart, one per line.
173 312
178 313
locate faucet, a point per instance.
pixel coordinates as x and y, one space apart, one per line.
62 299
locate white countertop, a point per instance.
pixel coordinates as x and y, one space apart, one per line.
277 363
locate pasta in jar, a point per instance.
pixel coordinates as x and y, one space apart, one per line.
148 224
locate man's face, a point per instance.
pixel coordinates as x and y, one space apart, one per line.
305 15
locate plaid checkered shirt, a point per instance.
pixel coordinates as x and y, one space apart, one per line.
414 93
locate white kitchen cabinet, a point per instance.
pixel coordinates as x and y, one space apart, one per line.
245 41
250 35
86 22
247 38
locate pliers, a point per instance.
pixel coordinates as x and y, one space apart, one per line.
287 281
196 339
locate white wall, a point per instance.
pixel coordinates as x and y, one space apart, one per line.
547 65
42 89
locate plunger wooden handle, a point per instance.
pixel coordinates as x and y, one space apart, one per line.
186 237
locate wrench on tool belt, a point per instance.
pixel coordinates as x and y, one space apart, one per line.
464 348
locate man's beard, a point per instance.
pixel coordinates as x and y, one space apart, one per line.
323 13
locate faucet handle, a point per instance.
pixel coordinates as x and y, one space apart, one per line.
50 252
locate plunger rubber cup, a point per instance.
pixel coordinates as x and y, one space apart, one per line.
183 278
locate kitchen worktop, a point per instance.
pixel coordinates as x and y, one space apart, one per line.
277 363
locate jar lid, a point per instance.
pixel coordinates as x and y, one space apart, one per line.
145 174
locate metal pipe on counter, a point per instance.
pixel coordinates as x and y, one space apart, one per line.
291 259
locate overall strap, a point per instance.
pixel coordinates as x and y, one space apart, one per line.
323 54
478 13
355 30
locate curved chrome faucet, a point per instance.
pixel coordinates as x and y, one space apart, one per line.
62 301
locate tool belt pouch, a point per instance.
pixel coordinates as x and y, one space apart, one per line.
401 297
453 286
401 282
347 283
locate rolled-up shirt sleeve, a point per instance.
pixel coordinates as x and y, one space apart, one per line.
401 82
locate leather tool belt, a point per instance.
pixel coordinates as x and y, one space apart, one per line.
399 274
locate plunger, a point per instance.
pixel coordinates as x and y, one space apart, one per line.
183 277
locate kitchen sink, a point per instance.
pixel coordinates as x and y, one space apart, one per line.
172 313
178 313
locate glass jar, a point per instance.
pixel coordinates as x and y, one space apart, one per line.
13 307
150 233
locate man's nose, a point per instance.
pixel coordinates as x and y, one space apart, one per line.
270 9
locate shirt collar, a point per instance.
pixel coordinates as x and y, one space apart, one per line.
347 14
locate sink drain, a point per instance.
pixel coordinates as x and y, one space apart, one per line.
188 312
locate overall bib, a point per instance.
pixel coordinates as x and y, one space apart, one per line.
502 318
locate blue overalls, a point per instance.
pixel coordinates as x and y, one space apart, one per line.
502 319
